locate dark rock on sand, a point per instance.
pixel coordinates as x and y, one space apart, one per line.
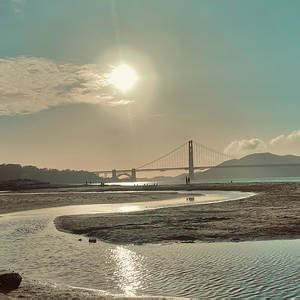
10 281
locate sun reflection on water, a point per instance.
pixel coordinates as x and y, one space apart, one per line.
128 271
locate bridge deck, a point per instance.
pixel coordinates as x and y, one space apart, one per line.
202 168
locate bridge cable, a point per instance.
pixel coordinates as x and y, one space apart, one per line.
161 157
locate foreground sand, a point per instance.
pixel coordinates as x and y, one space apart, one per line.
273 213
32 289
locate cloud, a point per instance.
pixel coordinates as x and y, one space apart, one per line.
30 84
242 147
286 140
281 144
277 140
294 136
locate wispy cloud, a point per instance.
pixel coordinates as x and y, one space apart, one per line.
277 140
281 144
244 146
286 139
30 84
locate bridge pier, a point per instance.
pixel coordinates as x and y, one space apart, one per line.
115 174
133 174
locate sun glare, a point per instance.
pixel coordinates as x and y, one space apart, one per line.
123 77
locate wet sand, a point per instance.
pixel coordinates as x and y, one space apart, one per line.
14 202
273 213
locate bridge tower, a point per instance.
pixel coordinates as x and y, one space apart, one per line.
133 174
191 160
114 175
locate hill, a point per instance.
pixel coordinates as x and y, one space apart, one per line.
255 166
53 176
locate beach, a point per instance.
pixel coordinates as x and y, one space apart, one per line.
272 213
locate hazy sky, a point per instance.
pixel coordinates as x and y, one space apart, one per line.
225 73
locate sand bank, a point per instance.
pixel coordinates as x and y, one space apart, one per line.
12 202
271 214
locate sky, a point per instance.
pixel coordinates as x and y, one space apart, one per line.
224 73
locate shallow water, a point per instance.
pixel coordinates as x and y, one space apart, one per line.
31 244
225 180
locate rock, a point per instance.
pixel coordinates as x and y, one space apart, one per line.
92 240
138 242
10 281
235 239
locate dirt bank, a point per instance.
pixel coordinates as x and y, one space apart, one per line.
271 214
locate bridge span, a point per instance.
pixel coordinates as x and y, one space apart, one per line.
189 156
180 158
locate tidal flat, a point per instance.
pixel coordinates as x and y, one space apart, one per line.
38 199
273 213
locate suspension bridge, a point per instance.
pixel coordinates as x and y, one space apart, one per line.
189 156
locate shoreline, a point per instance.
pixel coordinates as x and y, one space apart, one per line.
24 201
11 202
35 289
273 213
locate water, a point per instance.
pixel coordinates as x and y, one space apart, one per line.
251 180
238 180
249 269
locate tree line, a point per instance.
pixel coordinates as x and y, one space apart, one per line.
53 176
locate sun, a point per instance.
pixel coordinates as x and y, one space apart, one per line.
123 77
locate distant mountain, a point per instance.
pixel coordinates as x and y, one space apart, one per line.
15 171
255 166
